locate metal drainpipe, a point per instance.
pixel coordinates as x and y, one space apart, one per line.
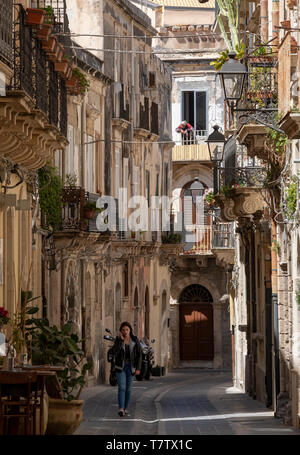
264 20
83 306
276 367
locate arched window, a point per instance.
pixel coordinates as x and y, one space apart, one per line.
195 293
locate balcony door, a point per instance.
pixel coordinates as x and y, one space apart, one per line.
194 108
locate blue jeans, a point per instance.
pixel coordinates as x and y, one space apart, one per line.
124 379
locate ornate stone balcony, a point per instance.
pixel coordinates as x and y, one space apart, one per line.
241 192
33 112
290 124
253 136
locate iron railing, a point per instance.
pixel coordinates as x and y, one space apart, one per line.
6 27
202 239
194 137
234 177
34 74
59 11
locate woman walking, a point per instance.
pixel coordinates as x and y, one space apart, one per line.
128 362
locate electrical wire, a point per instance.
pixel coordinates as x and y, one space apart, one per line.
154 52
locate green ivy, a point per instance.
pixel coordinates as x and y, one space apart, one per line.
227 190
210 197
291 197
278 141
83 81
50 191
171 238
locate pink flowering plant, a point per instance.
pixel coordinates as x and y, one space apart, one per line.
4 319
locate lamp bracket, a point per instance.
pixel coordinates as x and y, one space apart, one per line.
263 116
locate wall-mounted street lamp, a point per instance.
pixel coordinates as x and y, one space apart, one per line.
196 189
233 76
216 144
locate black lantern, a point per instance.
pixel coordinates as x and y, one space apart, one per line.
233 74
196 189
216 144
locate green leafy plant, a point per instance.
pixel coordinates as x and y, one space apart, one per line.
210 197
52 346
49 15
71 180
91 205
50 191
291 197
298 296
19 320
171 238
83 81
224 56
276 246
277 141
227 190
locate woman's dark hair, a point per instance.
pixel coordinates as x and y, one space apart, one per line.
126 324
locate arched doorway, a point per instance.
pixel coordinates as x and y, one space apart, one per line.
136 313
147 314
196 328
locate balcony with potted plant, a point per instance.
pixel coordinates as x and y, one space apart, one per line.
27 100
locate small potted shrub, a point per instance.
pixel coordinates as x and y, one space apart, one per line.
44 32
90 209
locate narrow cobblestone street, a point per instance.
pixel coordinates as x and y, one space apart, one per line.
185 402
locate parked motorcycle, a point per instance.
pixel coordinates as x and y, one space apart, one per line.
147 359
111 359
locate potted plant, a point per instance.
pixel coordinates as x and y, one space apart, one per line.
90 209
35 17
45 30
48 345
84 83
210 198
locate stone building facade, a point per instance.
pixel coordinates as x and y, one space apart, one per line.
32 128
265 274
200 288
119 137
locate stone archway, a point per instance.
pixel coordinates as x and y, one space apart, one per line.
196 325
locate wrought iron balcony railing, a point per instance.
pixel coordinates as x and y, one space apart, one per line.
34 74
59 12
234 177
6 26
203 239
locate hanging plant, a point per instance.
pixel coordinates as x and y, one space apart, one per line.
83 81
50 191
291 197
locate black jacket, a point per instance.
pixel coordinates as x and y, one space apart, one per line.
135 350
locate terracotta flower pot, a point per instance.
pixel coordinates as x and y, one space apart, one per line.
64 416
35 17
61 67
44 33
50 45
89 214
286 24
69 73
73 86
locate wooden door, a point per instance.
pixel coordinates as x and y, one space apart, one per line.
196 331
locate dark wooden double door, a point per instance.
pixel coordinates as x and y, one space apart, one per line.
196 331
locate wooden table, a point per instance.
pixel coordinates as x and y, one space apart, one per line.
43 371
41 374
